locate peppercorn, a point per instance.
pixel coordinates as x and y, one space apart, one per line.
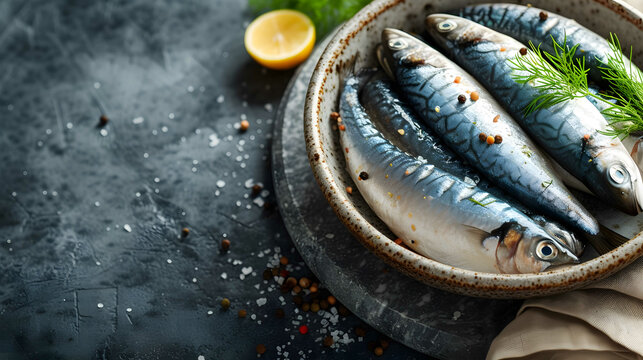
305 306
290 283
296 289
185 232
225 303
490 140
225 244
378 351
363 175
304 282
280 313
349 190
334 115
274 271
244 125
462 99
314 307
261 349
498 139
331 300
543 16
523 51
328 341
267 274
256 189
283 260
314 288
242 313
102 121
482 136
475 96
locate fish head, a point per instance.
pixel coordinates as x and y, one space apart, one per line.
619 179
451 31
561 235
530 250
402 50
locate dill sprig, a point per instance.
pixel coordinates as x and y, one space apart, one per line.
560 77
479 203
325 14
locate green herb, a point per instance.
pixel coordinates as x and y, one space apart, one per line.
526 151
560 77
479 203
547 184
325 14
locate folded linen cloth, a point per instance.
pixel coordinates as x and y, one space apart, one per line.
601 321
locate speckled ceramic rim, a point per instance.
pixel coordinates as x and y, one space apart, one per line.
426 270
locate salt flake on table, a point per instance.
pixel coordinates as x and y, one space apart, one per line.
262 301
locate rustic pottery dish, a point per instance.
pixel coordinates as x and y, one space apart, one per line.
353 48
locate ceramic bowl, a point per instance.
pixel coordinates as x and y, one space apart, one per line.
355 43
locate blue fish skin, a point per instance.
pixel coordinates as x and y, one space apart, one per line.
427 79
570 131
435 213
525 24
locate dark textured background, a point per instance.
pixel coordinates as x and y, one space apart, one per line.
67 190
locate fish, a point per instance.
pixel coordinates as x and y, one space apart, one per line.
467 118
435 213
571 132
529 24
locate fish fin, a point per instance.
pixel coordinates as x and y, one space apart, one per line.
482 234
606 240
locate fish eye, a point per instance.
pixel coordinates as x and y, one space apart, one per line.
618 174
397 44
546 250
446 26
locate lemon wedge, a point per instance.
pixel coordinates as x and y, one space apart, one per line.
280 39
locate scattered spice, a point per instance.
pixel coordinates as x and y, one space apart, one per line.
314 307
457 79
323 304
343 311
331 300
256 189
280 313
314 288
543 16
400 131
225 244
346 149
304 282
523 51
360 331
244 125
398 241
225 303
242 313
496 118
334 115
298 300
303 329
305 306
482 136
349 189
475 96
342 127
378 351
283 260
586 138
462 99
498 139
328 341
503 49
261 349
437 109
185 232
290 283
102 121
363 175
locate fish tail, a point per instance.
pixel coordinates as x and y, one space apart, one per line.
606 240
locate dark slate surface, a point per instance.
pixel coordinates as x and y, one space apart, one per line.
173 78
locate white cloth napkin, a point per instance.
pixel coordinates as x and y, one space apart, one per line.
601 321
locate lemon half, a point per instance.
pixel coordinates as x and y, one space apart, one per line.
280 39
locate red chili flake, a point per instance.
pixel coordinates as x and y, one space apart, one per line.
462 99
398 241
543 16
457 79
303 329
482 136
342 127
523 51
346 149
495 119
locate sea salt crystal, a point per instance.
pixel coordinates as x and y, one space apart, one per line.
224 276
127 228
138 120
261 301
246 270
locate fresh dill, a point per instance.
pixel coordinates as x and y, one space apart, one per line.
547 184
325 14
560 77
479 203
